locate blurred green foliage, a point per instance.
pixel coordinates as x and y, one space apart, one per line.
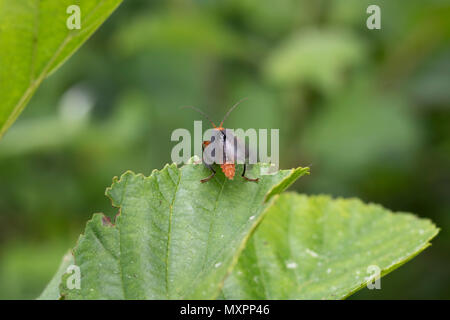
368 110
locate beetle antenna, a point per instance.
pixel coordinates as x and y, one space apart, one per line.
201 112
231 109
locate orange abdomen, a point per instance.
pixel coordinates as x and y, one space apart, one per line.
229 170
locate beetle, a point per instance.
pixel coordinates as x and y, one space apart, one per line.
233 149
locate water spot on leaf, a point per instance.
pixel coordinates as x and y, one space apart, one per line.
311 253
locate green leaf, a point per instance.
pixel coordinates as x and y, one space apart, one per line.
34 41
361 109
174 237
320 248
51 292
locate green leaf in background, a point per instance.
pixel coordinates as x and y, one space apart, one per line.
331 141
51 292
362 111
25 268
320 248
174 237
34 41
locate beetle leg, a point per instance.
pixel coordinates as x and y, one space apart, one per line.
211 176
248 179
